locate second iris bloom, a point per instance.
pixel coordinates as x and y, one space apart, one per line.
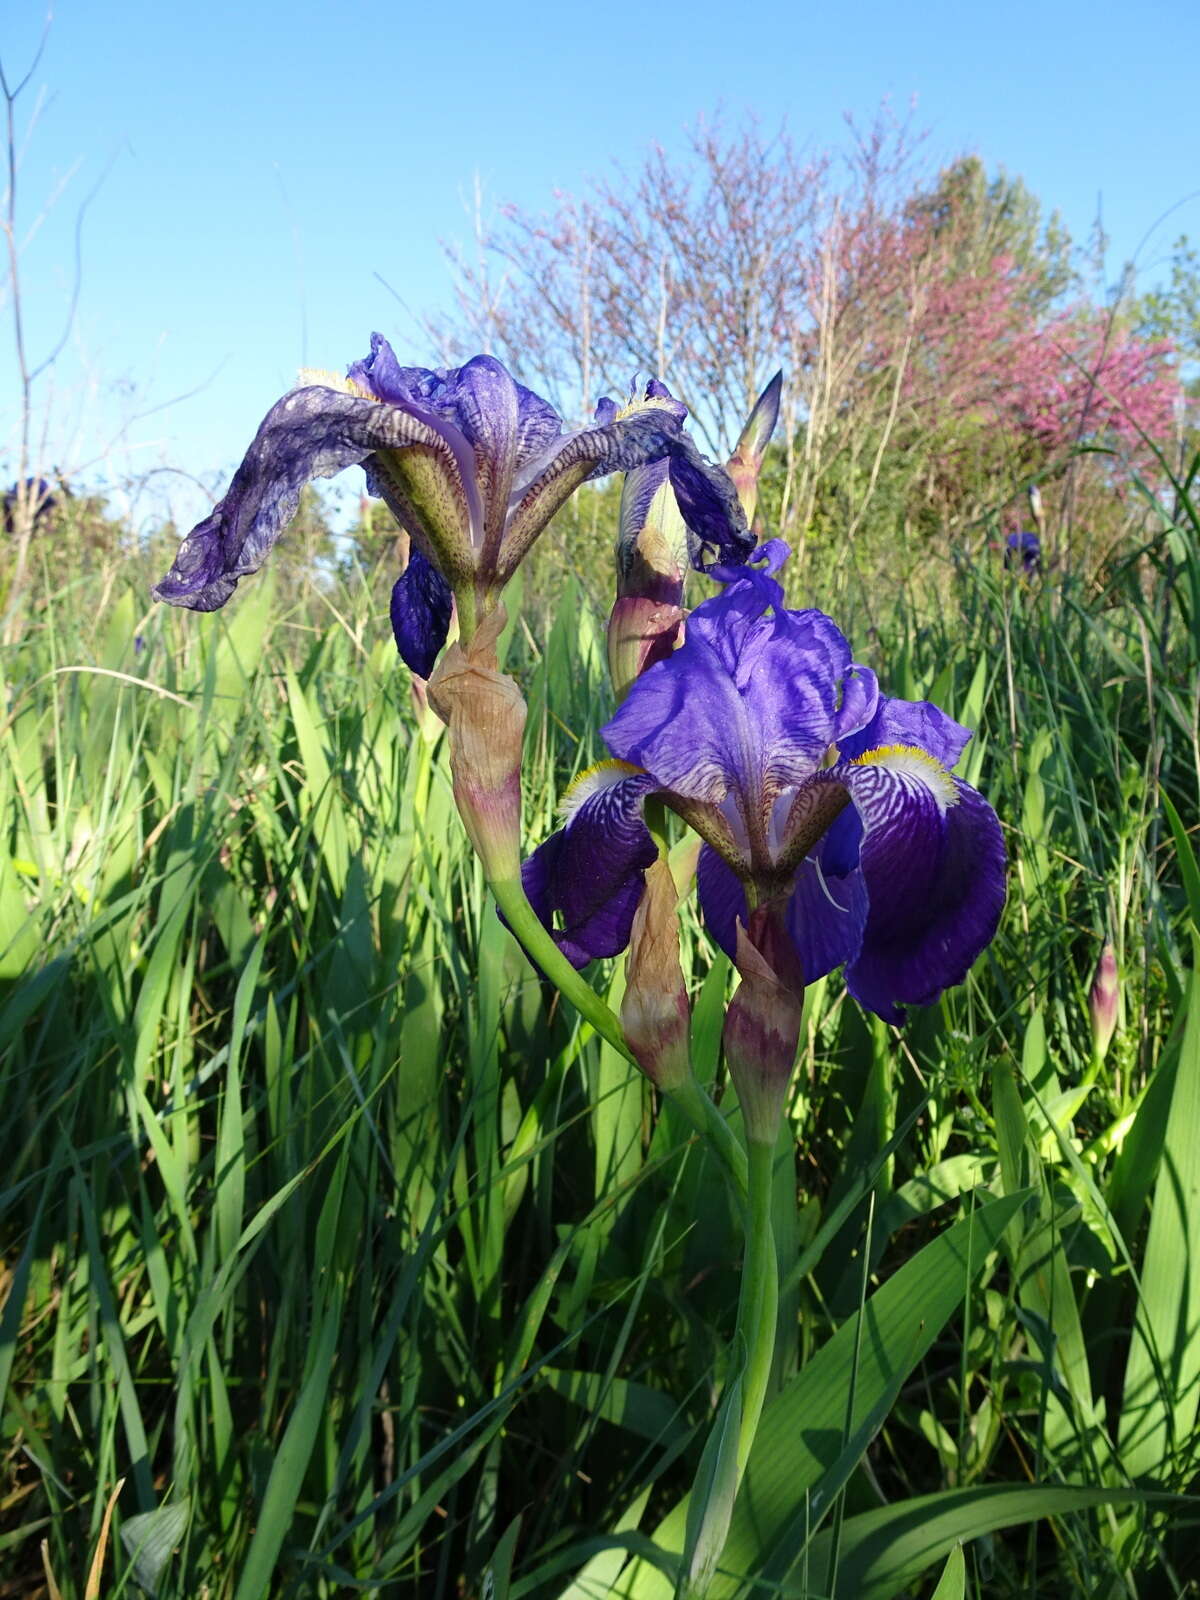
813 792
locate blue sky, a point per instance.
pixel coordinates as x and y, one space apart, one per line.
259 163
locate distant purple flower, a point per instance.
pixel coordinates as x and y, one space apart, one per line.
1025 549
469 461
806 784
38 497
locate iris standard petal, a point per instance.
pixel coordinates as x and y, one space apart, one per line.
421 607
735 625
592 871
908 722
684 721
538 425
860 701
310 433
746 705
932 860
414 493
483 397
725 621
384 377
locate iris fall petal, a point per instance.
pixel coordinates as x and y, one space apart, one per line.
592 871
421 608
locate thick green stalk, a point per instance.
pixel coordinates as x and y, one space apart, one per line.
540 947
712 1126
467 610
758 1308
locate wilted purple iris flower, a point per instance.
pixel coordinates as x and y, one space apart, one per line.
1024 549
810 790
469 461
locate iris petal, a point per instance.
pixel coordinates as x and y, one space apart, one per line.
910 722
684 721
426 395
710 506
421 607
538 425
592 872
860 701
826 915
722 898
486 408
637 495
383 375
746 705
707 499
932 860
310 433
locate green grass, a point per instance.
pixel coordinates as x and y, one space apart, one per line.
366 1268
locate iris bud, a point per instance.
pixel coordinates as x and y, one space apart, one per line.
654 1011
641 631
652 560
762 1026
745 464
485 714
1103 1002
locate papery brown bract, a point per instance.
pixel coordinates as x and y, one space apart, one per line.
484 712
654 1011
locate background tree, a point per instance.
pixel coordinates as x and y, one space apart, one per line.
940 351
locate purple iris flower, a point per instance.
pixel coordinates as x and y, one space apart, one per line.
472 464
812 792
1024 549
36 495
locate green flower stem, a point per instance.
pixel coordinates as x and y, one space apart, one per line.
541 948
654 812
712 1126
464 605
758 1308
527 926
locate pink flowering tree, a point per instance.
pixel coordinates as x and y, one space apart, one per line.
935 360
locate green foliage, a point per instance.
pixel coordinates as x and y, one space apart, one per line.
998 215
369 1270
1173 312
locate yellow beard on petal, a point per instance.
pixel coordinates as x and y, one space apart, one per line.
639 403
318 378
918 764
600 775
